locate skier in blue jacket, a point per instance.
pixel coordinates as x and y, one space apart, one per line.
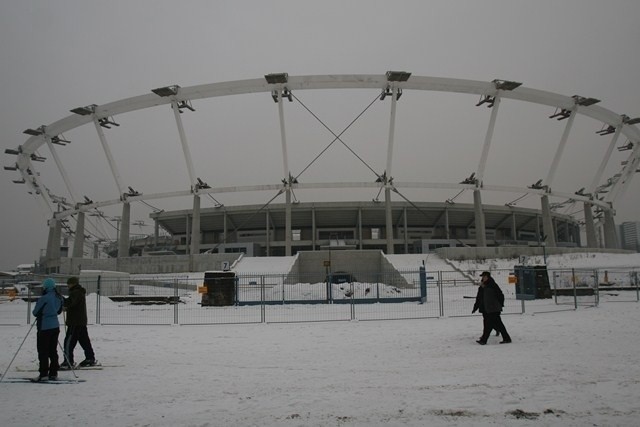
46 312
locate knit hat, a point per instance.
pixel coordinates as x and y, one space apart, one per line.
49 284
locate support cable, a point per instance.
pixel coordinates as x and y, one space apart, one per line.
337 137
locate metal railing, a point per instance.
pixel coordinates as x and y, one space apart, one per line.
277 298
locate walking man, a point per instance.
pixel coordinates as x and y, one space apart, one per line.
75 307
492 303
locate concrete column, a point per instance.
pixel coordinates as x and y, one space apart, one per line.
287 239
446 224
547 223
195 226
156 232
481 234
592 240
225 233
123 239
51 239
267 243
57 232
360 228
313 228
389 220
406 231
610 236
78 243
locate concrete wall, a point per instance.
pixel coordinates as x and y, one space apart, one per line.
150 264
460 254
365 266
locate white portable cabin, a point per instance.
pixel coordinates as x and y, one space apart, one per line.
111 282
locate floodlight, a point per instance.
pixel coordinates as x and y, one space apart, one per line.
606 130
277 78
385 92
537 185
85 111
561 115
506 84
185 104
286 93
59 141
585 102
398 76
632 121
166 91
19 181
490 100
626 147
33 132
107 122
470 180
11 168
201 185
12 151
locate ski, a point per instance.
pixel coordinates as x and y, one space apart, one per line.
77 368
29 380
97 367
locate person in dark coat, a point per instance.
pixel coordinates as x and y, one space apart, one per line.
479 305
75 307
492 303
46 312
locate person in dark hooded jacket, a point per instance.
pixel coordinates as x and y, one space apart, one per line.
75 307
490 307
46 312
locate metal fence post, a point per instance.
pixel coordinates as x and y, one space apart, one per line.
597 287
98 301
555 287
176 301
575 290
440 293
262 302
28 305
353 308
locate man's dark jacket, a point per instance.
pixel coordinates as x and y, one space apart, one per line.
76 305
492 298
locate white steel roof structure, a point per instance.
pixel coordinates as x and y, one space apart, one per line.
392 84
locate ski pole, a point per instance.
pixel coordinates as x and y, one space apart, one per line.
68 363
14 356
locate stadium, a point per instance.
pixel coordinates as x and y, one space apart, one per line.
394 162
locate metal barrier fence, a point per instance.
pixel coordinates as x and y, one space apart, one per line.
278 298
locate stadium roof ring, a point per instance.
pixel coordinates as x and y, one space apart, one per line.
599 191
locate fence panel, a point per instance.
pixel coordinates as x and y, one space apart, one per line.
576 287
276 298
619 285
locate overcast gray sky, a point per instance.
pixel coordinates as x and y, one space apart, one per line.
55 56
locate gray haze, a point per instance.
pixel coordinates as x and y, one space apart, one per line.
59 55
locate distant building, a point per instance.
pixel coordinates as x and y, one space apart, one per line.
26 268
630 235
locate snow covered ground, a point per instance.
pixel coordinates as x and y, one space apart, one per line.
569 368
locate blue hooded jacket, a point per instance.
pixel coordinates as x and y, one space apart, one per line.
47 308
